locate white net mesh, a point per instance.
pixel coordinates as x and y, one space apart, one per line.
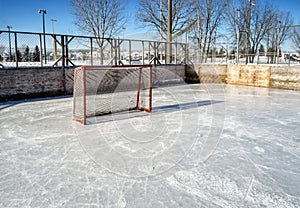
104 90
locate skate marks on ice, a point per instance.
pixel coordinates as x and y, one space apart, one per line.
184 119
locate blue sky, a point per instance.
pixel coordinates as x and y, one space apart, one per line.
23 15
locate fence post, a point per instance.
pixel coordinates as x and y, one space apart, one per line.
91 45
67 52
143 53
63 51
119 50
16 50
149 53
175 55
129 51
41 53
115 51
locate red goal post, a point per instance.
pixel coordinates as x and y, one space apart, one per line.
100 90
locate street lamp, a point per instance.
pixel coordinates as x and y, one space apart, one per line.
9 41
43 12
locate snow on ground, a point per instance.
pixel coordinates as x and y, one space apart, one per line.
202 146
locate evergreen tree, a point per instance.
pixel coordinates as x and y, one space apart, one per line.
261 50
232 54
36 54
271 55
26 54
19 56
221 52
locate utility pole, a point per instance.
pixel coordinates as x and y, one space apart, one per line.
169 33
160 20
238 37
160 26
9 41
43 12
278 41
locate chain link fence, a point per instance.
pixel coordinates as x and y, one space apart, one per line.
25 49
226 53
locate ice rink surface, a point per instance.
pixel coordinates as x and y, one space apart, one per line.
202 146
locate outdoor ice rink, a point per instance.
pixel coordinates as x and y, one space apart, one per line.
203 145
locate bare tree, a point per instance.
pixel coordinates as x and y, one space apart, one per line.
154 14
249 22
210 14
101 18
263 16
277 33
296 38
258 22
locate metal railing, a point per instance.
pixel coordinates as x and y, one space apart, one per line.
26 49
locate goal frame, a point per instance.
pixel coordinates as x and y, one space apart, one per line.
84 69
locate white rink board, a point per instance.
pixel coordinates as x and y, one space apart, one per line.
202 146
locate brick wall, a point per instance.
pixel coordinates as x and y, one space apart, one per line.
37 82
25 83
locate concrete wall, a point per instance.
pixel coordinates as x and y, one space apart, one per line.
25 83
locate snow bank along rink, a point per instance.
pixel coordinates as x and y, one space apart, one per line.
203 145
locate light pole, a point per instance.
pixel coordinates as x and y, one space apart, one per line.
43 12
238 36
54 39
123 45
251 4
169 33
160 20
9 41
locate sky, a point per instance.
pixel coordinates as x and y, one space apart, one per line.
23 15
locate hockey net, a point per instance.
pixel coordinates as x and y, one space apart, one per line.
100 90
